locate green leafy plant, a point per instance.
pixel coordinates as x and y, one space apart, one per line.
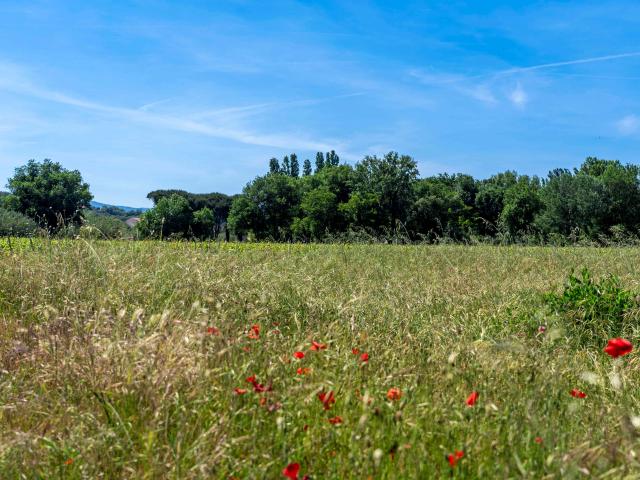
593 310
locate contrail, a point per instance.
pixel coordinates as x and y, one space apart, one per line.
570 62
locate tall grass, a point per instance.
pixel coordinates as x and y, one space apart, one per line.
110 368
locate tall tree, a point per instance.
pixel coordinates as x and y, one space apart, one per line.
274 166
286 165
306 168
294 166
319 161
49 194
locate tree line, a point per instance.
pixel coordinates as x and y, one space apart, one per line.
377 198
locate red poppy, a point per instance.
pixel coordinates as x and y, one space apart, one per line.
327 399
335 420
260 388
303 371
318 346
364 358
291 471
240 391
299 355
355 351
68 461
254 332
394 394
251 379
618 347
538 439
472 399
213 331
577 393
454 457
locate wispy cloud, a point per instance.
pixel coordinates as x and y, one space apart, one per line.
518 96
12 79
628 125
479 92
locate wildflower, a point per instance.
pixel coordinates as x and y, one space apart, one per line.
240 391
364 358
327 399
251 379
542 328
454 457
260 388
213 331
472 399
335 420
299 355
68 461
538 440
618 347
318 346
394 394
254 332
303 371
577 393
291 471
355 351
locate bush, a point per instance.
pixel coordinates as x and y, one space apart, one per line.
593 311
15 224
103 227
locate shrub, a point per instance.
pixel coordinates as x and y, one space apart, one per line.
593 310
15 224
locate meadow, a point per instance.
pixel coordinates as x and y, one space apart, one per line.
154 360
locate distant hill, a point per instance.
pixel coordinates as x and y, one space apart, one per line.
97 205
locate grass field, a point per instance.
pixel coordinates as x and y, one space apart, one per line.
121 360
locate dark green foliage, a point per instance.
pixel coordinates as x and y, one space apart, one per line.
274 166
170 218
306 169
319 161
593 310
14 224
49 194
294 168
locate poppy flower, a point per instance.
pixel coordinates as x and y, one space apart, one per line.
299 355
213 331
577 393
454 457
364 358
240 391
472 399
68 461
291 471
394 394
327 399
254 332
251 379
335 420
260 388
538 440
318 346
355 351
618 347
303 371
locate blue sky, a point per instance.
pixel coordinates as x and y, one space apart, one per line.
198 95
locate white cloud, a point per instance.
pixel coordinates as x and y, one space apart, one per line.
518 96
14 79
628 125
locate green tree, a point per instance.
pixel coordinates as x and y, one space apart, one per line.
391 180
286 166
49 194
294 166
522 204
204 223
170 218
319 161
306 169
274 166
267 207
